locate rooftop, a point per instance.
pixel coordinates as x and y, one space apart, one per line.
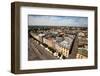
83 51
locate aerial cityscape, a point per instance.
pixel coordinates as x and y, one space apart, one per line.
57 37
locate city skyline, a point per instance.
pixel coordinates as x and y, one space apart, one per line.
57 43
57 20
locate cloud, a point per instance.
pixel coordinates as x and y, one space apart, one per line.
57 20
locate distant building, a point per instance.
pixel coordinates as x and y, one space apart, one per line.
82 54
49 41
81 34
59 39
63 46
41 37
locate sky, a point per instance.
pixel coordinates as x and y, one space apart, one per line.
57 20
